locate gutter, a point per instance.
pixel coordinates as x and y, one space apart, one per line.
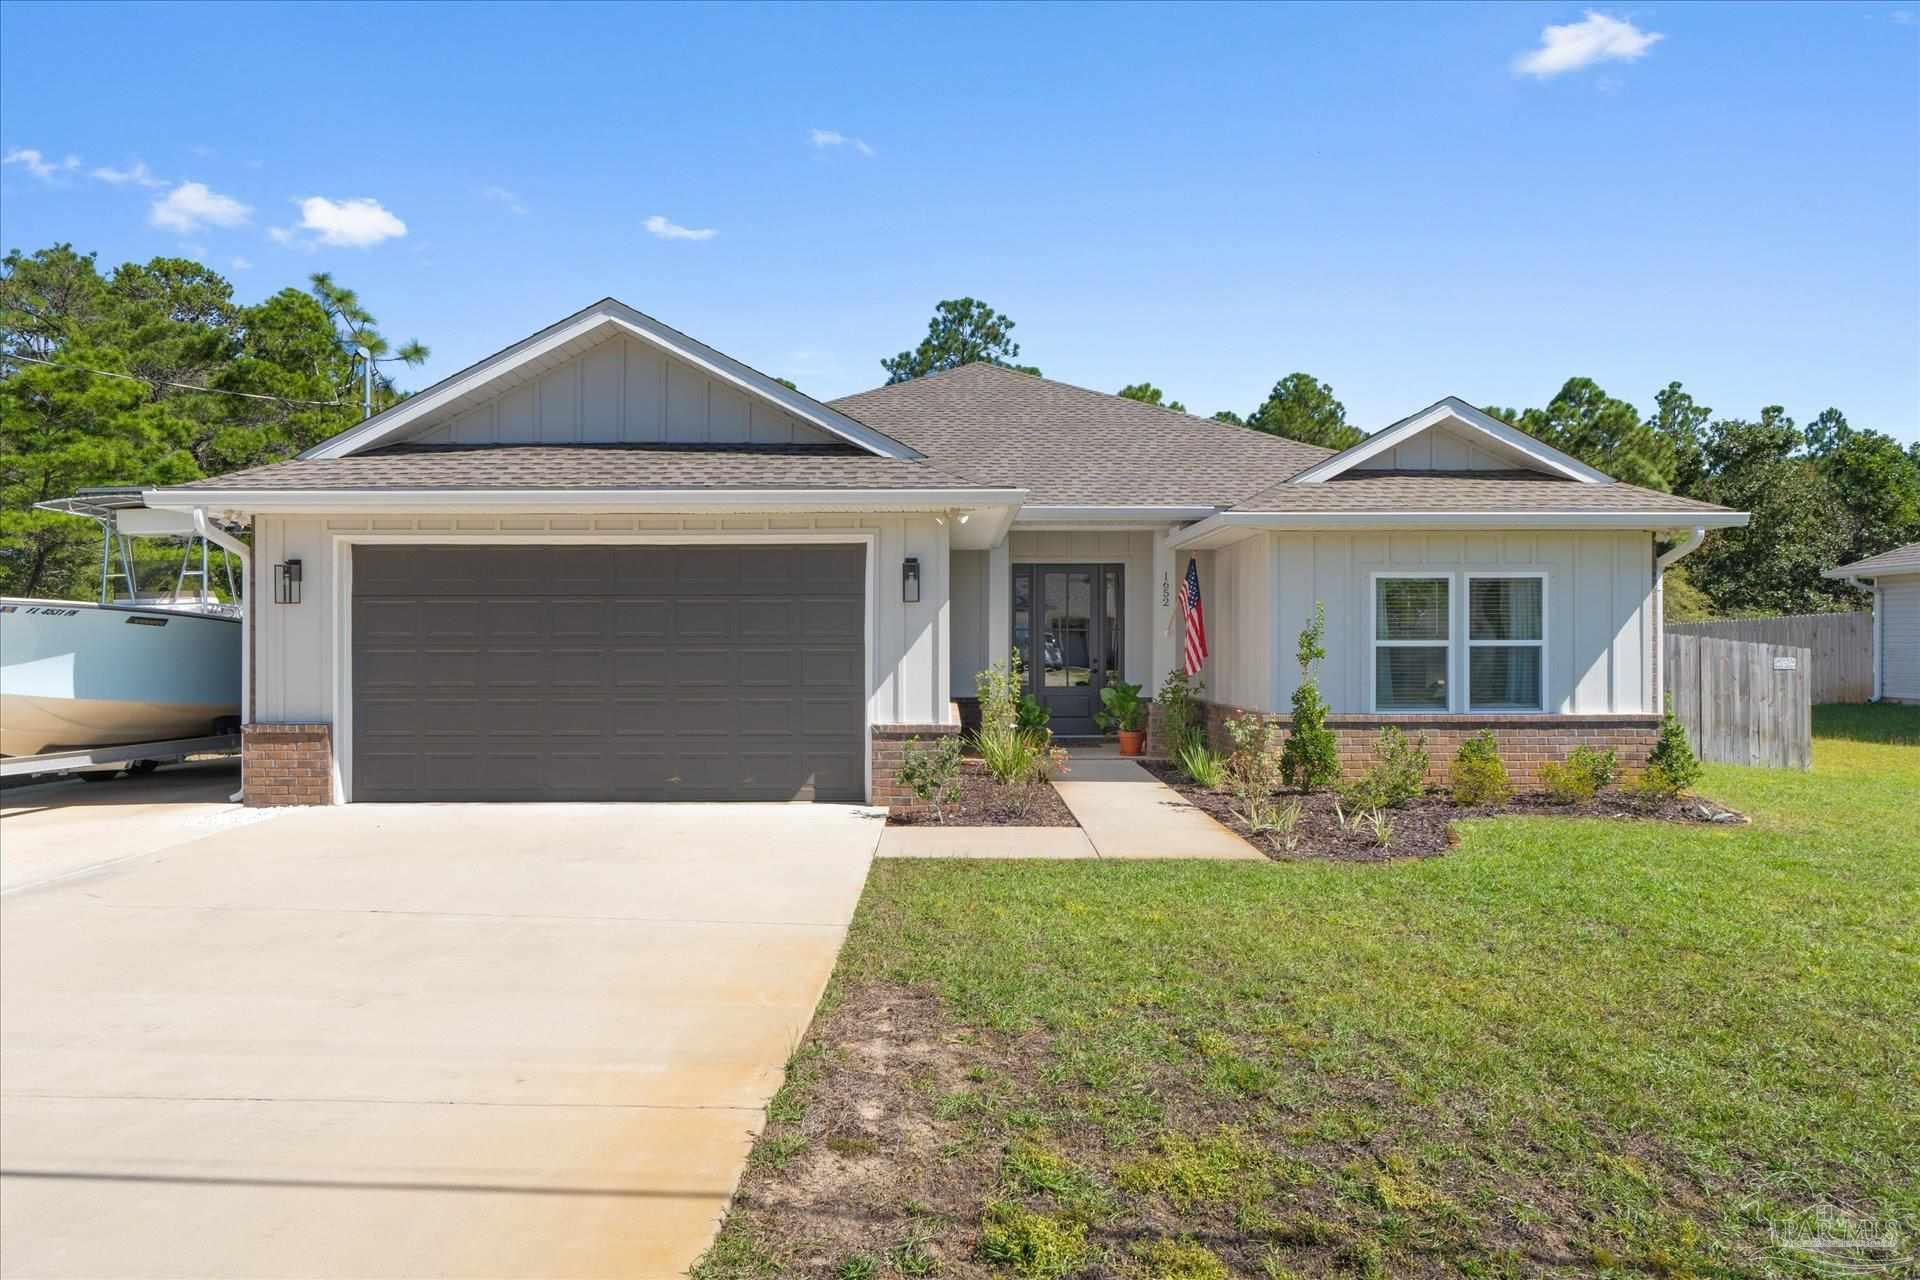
1094 515
1671 556
234 547
333 501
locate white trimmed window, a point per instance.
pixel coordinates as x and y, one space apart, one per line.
1412 642
1506 642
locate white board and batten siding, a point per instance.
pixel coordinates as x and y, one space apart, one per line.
1599 618
621 391
1442 448
296 644
1899 608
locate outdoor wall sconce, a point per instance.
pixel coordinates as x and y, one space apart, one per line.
910 580
286 582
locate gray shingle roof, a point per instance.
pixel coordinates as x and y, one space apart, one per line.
1409 491
582 466
1899 560
1069 445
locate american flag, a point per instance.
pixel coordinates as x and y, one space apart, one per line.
1194 616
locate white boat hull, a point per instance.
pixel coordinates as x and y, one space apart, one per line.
76 675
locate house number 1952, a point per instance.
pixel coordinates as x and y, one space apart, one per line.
1166 594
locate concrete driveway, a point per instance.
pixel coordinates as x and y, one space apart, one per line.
448 1040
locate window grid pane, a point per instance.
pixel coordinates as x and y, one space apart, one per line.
1410 677
1504 677
1505 608
1410 609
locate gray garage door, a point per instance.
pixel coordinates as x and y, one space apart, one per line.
609 673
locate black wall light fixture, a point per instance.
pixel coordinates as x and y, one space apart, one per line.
910 580
286 582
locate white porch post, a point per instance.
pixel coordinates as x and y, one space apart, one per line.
999 600
1164 591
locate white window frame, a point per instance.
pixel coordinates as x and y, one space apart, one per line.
1466 632
1374 642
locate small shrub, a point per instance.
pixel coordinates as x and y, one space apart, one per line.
1398 777
1121 708
1181 719
1030 718
1311 757
1479 775
1034 1245
1672 767
932 774
1001 687
1253 766
1207 768
1179 1260
1601 766
1009 755
1566 784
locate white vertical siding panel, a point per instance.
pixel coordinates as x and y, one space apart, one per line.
646 395
1899 617
603 377
518 414
686 404
559 405
728 415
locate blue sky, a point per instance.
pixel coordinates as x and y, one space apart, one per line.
1407 202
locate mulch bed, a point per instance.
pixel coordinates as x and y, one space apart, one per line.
1424 828
983 803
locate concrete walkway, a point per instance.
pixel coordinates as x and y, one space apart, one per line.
431 1040
1123 812
1128 813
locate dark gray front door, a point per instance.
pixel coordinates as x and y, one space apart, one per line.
609 673
1068 627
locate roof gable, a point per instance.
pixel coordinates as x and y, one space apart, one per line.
1452 435
601 342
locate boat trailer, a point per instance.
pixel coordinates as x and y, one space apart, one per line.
138 757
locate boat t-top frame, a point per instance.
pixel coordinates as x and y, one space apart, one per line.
104 505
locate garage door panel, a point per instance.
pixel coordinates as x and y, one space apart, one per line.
511 673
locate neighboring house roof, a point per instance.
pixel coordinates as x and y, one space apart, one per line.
1406 491
1899 560
582 466
1067 445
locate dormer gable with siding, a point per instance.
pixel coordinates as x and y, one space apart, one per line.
609 375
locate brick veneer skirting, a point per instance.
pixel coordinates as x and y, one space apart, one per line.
1526 742
889 748
287 764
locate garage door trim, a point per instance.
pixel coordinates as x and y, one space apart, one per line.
342 638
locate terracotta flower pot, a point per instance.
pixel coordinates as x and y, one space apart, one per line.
1132 741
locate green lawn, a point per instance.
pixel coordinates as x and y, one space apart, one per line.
1566 1048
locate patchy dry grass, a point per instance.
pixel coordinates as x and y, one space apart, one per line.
1568 1048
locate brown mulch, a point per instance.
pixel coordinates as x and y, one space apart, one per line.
984 803
1424 828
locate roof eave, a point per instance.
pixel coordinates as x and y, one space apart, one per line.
479 501
1233 526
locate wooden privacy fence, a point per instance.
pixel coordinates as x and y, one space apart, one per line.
1743 702
1842 645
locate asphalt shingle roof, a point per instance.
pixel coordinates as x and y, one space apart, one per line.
1405 491
1069 445
1899 560
585 466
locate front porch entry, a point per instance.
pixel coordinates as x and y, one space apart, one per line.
1069 626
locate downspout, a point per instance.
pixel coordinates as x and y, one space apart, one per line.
1671 556
233 546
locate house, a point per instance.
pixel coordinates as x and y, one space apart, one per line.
613 562
1894 577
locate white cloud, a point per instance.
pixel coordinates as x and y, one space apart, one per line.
39 165
191 205
242 264
659 226
137 174
506 199
280 235
834 138
355 223
1595 38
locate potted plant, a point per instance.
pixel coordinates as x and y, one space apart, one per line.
1126 714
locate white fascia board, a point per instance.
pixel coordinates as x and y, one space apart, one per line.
1457 410
1232 526
607 313
356 501
1093 516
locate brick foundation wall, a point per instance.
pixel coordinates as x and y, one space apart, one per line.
1526 742
287 764
889 749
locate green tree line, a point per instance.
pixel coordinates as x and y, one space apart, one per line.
205 385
